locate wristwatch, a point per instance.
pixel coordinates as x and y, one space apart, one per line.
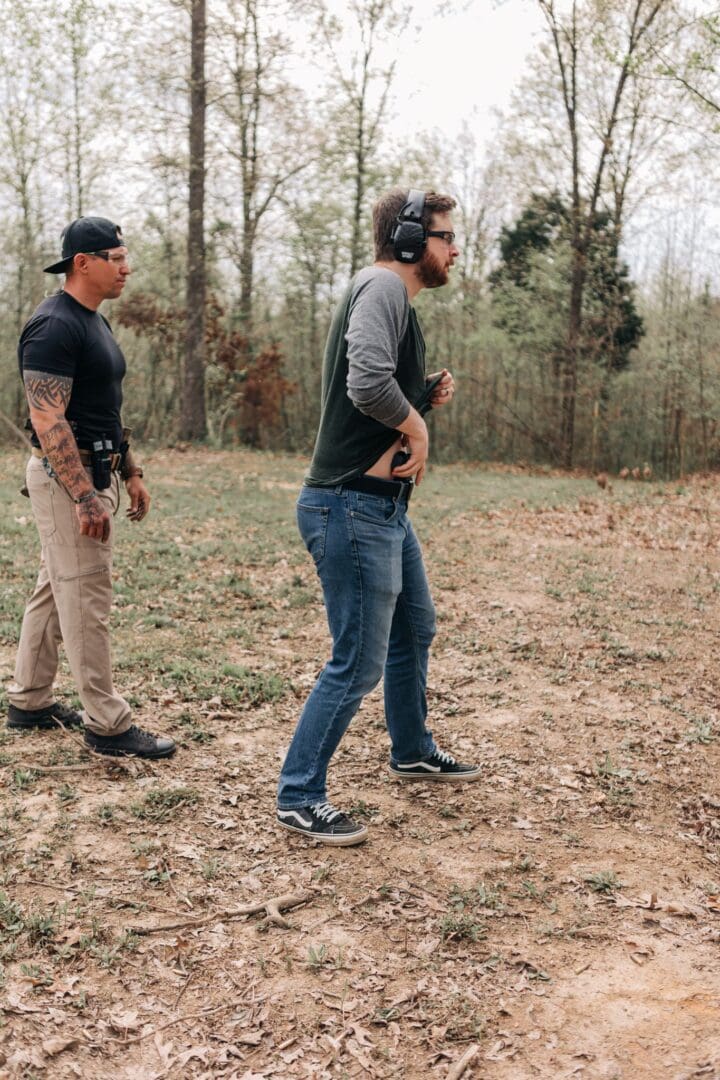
136 470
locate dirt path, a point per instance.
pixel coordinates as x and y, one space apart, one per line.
559 919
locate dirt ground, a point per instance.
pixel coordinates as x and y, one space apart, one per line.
558 919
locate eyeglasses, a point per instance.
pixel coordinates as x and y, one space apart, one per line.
448 237
115 260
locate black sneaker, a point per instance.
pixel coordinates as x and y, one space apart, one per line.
438 766
134 742
42 719
323 822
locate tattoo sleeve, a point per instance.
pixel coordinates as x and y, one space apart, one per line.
47 393
48 396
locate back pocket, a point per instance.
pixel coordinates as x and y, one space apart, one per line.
313 523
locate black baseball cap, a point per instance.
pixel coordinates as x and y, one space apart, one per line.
88 235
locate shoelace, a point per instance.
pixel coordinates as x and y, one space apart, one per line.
62 712
140 731
447 759
325 811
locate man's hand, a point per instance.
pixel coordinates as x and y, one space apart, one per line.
94 519
416 442
445 389
139 498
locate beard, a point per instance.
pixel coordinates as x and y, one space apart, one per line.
432 272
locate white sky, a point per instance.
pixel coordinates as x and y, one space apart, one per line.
462 65
458 60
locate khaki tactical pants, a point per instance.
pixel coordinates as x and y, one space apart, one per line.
71 603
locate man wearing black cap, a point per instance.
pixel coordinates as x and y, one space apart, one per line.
72 369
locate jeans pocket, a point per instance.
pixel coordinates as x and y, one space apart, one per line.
313 525
375 509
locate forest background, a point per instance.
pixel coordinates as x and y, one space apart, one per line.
241 144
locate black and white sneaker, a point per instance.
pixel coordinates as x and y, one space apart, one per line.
52 716
323 822
438 766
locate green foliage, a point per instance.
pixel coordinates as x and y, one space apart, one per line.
163 803
535 257
11 916
458 926
604 881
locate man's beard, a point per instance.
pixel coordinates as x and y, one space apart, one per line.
431 272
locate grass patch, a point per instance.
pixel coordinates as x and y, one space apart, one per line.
604 881
163 803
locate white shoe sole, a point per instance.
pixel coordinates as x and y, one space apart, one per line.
435 777
333 840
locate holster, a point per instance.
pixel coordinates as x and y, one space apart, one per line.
101 463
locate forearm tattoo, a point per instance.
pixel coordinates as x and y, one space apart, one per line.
47 393
60 448
48 396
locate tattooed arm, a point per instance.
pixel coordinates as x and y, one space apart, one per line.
48 396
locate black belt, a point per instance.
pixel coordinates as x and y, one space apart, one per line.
86 457
374 485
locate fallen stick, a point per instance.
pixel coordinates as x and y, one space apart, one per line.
271 907
82 766
113 901
455 1071
94 760
171 1023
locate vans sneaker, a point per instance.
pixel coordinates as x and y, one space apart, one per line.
42 719
323 822
438 766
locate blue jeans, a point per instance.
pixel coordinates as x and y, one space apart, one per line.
382 621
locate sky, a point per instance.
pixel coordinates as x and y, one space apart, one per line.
458 61
463 65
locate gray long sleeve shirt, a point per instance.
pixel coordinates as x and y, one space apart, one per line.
377 322
374 369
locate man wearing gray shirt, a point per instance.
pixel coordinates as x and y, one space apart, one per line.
370 454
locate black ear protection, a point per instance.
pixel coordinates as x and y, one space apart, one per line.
409 237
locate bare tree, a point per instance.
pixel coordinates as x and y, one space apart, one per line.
360 89
25 126
87 101
629 25
193 423
269 139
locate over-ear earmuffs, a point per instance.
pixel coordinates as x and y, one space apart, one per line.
409 237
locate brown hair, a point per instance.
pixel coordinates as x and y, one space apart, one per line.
385 214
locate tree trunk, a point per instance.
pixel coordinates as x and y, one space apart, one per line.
193 423
360 170
570 366
247 268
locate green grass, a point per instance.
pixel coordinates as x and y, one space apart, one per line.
163 803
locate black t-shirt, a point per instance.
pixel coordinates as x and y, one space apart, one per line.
62 337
